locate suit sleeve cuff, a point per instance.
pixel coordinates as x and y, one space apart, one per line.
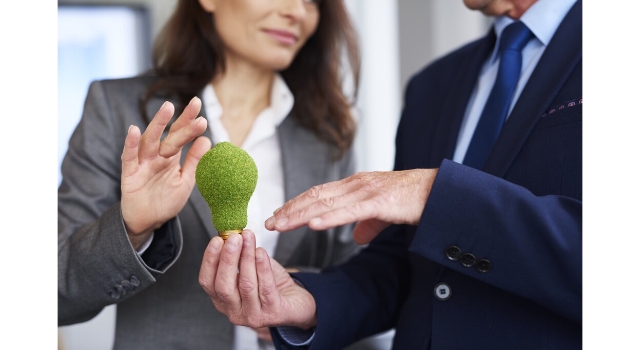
296 336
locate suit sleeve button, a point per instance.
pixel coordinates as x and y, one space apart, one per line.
113 294
128 286
453 253
467 260
134 280
483 265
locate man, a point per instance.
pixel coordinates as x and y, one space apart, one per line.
475 237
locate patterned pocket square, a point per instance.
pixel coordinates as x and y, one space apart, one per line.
568 104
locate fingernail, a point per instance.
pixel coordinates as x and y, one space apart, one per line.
282 221
315 222
215 244
259 255
164 104
232 242
193 99
129 130
269 223
247 235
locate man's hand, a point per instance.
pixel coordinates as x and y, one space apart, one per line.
154 186
374 200
250 288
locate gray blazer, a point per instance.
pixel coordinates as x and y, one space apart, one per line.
97 266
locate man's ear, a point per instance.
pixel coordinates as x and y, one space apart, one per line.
208 5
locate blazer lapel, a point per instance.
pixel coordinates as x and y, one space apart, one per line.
448 126
556 64
196 201
301 172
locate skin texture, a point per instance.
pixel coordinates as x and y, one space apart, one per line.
511 8
262 293
244 25
374 200
151 173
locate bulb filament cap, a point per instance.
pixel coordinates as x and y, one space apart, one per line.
225 234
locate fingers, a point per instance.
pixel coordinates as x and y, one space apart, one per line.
340 204
183 130
209 267
267 288
247 279
189 113
130 152
150 141
226 285
200 146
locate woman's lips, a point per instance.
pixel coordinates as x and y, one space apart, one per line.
282 36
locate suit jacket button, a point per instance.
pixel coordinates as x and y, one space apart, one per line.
467 260
483 265
442 291
453 253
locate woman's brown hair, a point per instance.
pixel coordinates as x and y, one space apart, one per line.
188 53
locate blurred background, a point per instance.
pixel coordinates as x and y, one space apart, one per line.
99 39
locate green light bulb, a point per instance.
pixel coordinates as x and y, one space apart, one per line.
226 176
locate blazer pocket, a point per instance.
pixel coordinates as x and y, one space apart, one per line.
560 116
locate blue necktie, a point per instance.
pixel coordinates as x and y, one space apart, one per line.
514 37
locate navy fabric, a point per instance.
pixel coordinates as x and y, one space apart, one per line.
513 40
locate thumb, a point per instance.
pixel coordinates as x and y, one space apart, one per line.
365 231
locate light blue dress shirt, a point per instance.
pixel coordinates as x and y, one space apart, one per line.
543 19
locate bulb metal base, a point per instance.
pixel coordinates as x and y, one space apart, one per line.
225 234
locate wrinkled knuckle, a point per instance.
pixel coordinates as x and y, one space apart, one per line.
223 293
314 192
328 202
246 286
355 208
299 215
205 285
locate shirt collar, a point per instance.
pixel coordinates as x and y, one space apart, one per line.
543 19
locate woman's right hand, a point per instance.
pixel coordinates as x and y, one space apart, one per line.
154 186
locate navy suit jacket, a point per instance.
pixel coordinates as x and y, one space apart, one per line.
522 213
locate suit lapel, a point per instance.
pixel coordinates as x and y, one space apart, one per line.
301 172
448 127
555 66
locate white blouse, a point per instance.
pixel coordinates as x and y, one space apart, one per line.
263 146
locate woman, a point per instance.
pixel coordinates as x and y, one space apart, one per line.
132 227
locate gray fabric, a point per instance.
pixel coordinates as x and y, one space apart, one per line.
97 266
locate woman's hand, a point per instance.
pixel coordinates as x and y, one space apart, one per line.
154 185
